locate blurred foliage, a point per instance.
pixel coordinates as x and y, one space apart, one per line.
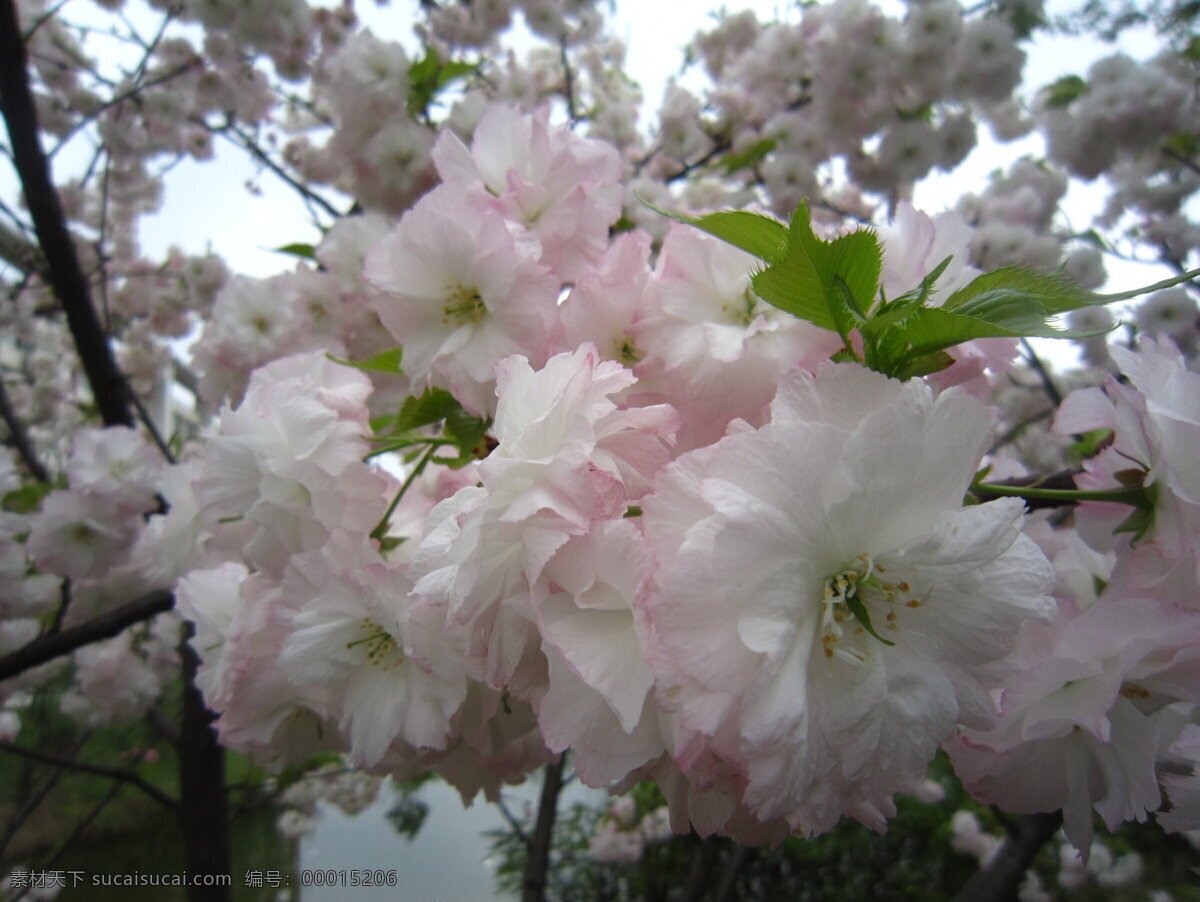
91 824
1174 20
914 860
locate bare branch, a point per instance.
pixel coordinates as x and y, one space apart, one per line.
998 882
20 439
125 776
537 863
105 626
65 274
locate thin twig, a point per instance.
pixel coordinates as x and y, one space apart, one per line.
1034 361
245 142
144 416
125 776
1179 158
119 99
513 823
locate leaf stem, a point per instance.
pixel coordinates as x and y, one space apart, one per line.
1135 496
382 527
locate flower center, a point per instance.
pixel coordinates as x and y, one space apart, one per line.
381 648
463 305
843 600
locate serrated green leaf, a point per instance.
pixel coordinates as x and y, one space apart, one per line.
26 499
805 283
756 234
383 362
298 249
1060 93
919 295
1047 293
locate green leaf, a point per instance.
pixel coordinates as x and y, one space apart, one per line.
624 224
26 499
1139 523
432 407
746 159
1089 444
829 283
428 75
1060 93
925 365
383 362
756 234
1046 293
307 251
916 114
919 295
469 434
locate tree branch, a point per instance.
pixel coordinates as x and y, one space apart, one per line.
125 776
20 439
65 274
999 881
537 864
105 626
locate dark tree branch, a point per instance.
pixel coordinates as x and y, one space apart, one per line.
65 274
1034 361
738 856
125 776
105 626
696 884
167 731
20 439
79 830
688 168
569 79
29 803
537 864
64 604
203 797
1001 879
